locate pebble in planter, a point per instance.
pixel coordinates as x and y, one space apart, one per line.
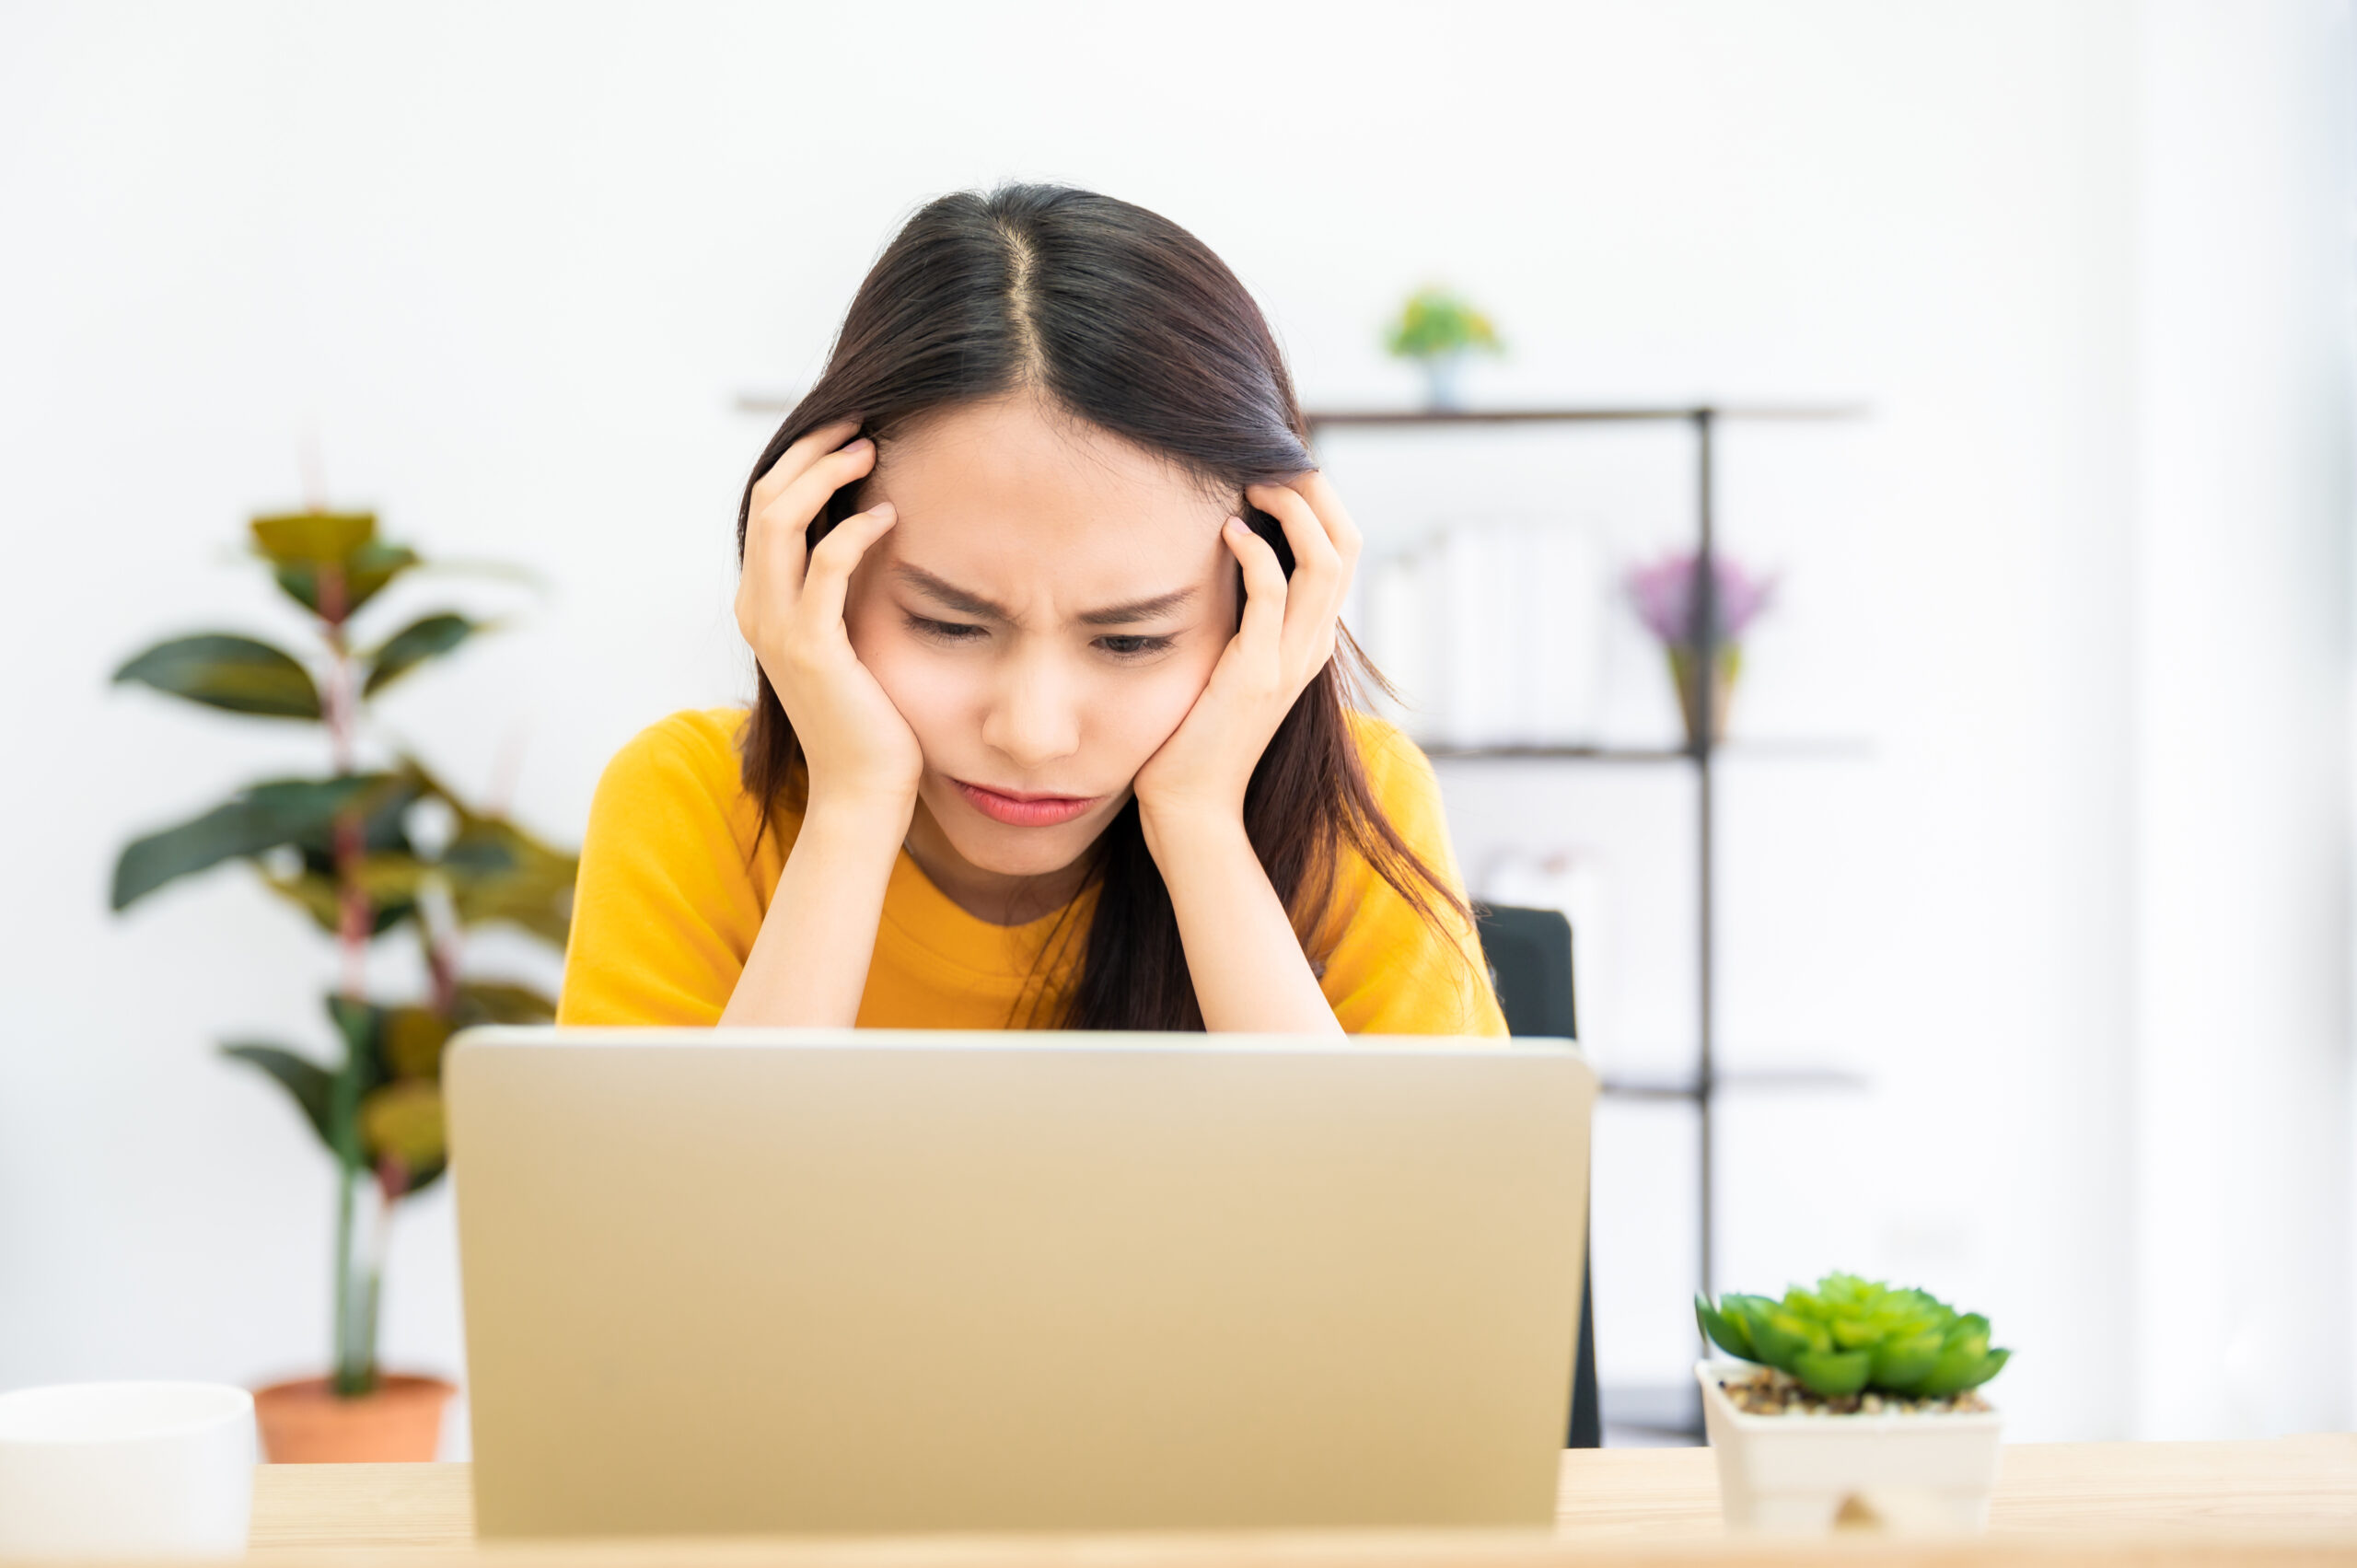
1856 1397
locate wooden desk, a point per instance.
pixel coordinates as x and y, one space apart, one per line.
2273 1504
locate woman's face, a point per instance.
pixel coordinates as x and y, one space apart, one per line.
1049 604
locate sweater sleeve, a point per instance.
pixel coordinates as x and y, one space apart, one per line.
1391 969
671 891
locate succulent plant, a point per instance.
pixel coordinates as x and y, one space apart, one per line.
1850 1335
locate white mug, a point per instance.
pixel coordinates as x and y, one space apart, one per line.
126 1470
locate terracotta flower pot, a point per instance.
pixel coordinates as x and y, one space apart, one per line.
304 1421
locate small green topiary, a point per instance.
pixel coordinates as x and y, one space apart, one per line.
1850 1335
1436 323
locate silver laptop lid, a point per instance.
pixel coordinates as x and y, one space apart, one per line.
764 1281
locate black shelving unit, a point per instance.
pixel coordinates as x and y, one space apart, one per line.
1702 1089
1701 755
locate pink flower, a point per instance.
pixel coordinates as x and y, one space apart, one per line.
1663 596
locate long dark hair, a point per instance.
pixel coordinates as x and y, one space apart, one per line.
1131 323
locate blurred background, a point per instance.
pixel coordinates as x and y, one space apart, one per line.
2032 936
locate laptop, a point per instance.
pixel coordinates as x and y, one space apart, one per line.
796 1281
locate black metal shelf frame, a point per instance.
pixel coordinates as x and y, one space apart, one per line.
1702 752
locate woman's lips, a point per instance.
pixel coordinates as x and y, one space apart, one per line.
1024 810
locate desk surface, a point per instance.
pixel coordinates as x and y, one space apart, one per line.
2292 1501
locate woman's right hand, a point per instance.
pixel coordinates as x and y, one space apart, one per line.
861 753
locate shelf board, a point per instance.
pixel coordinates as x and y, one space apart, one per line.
1625 414
1790 1078
1785 748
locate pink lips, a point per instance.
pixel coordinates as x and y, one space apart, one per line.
1024 810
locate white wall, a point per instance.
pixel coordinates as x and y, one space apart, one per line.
510 266
2242 572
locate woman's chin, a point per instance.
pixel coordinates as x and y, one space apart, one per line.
1022 851
1007 849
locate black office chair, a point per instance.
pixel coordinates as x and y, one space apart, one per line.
1530 963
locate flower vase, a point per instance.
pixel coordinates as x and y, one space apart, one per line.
1683 670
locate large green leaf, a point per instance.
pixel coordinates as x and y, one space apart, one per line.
413 645
499 872
403 1120
261 818
378 1127
366 571
219 670
390 880
305 1080
360 1024
497 1002
411 1041
407 1127
318 537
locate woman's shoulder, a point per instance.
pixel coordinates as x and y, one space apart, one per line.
690 758
1397 769
1400 957
679 785
698 744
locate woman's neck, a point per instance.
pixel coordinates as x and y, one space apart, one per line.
998 897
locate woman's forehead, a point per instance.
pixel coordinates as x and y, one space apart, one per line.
1003 496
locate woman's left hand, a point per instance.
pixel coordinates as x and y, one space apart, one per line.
1286 637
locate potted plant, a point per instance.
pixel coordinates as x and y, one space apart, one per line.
375 849
1438 330
1851 1396
1664 594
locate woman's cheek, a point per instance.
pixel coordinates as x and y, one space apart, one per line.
1155 707
912 677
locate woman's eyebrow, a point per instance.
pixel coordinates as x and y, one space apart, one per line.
1138 609
948 595
967 602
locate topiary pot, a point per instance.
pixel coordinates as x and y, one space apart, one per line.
1800 1472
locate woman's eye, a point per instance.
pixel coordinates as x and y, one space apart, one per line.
1132 645
943 631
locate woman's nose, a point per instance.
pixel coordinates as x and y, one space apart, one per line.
1035 719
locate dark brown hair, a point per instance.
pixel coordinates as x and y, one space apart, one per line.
1125 321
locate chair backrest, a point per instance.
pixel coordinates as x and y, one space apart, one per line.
1529 953
1530 963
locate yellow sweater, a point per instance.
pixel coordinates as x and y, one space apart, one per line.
673 888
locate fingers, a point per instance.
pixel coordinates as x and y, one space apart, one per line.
777 524
832 562
1331 513
777 528
796 459
769 581
1322 570
1261 633
792 507
1315 561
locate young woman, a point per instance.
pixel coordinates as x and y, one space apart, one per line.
1054 722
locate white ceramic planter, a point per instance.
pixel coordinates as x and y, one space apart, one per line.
1794 1472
